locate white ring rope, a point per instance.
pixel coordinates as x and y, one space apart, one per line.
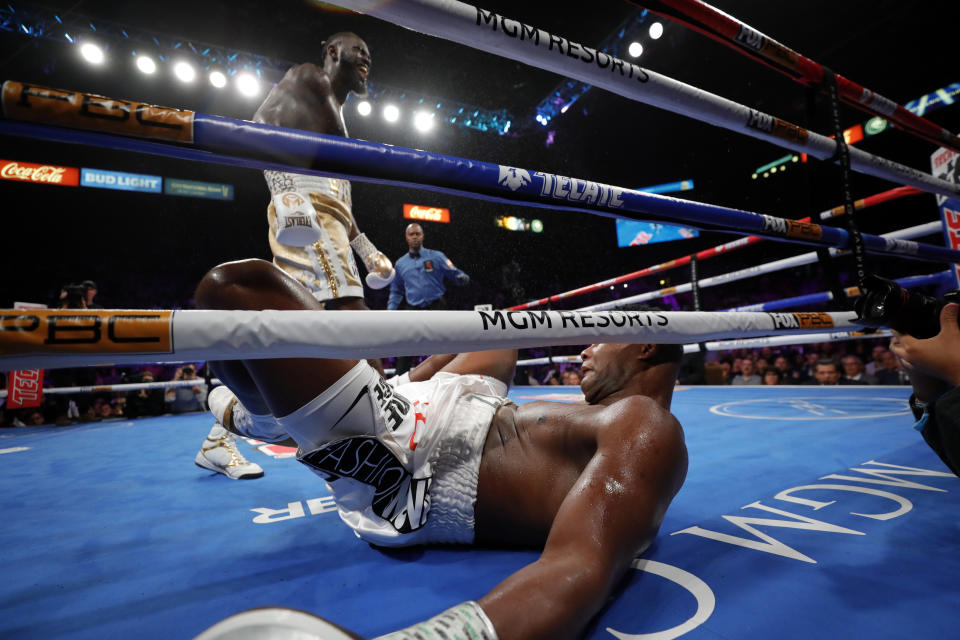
31 339
132 386
487 31
740 343
769 267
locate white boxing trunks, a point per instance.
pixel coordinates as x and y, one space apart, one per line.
402 463
326 267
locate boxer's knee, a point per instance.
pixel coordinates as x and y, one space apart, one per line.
251 284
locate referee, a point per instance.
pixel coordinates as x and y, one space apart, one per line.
420 280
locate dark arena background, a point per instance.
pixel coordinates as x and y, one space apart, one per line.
808 512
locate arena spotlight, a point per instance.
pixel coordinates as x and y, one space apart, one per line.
217 79
391 113
92 53
364 107
146 64
248 84
184 71
423 121
656 30
635 49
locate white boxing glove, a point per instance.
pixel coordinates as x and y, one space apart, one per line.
296 219
380 271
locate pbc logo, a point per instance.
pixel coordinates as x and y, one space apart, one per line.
47 331
513 178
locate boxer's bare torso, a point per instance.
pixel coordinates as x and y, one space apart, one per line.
547 445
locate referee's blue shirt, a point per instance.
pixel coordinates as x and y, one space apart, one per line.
420 278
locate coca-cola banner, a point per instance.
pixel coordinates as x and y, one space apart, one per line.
25 389
430 214
39 173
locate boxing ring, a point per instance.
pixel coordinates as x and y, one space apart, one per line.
808 512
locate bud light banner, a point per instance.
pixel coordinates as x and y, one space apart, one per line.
631 233
121 181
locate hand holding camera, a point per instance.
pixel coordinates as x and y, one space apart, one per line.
938 356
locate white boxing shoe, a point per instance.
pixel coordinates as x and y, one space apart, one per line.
229 411
219 453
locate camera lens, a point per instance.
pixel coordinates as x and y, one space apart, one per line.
884 303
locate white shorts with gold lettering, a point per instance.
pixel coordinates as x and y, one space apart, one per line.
402 463
327 267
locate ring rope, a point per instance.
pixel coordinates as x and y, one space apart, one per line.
761 269
871 201
721 249
131 386
750 42
267 147
744 343
502 36
33 339
941 278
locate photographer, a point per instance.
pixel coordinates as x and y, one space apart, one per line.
144 402
934 366
184 399
79 296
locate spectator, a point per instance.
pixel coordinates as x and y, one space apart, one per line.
891 373
188 398
853 371
809 367
747 374
761 365
771 376
419 282
89 293
552 377
145 402
789 374
692 369
826 373
876 364
571 377
726 366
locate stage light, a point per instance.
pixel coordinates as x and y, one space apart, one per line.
391 113
217 79
248 84
364 108
184 71
635 49
656 30
423 121
91 53
146 64
536 226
